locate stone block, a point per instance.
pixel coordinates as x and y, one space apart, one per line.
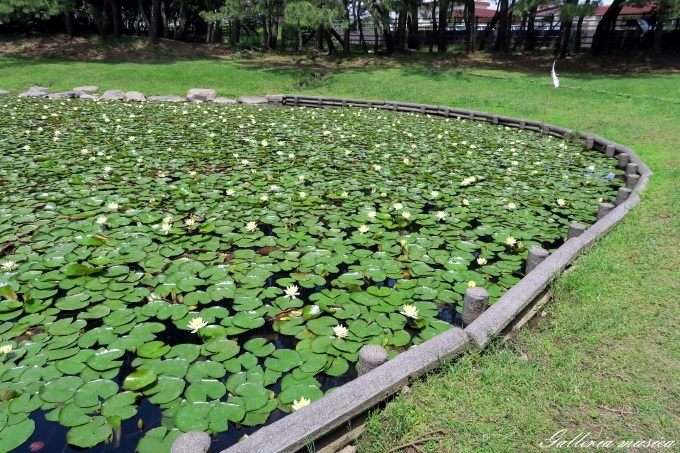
135 96
113 95
170 98
201 95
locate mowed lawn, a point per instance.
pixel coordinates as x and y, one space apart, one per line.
603 361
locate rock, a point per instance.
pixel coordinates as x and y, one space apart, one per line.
35 92
252 100
201 95
65 95
135 96
88 96
191 442
275 98
87 89
3 92
113 95
223 100
171 98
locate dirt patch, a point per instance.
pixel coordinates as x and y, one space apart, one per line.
136 49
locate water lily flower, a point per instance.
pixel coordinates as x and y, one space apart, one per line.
398 206
403 243
108 168
434 193
189 222
407 160
167 219
441 215
26 147
472 284
101 219
113 206
406 214
377 167
481 261
371 214
410 311
561 202
383 194
264 198
291 156
230 192
162 174
251 226
9 266
303 194
344 195
466 202
245 161
166 227
510 241
264 143
363 229
297 405
292 292
340 331
511 206
197 323
5 349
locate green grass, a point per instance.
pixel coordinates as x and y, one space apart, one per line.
605 357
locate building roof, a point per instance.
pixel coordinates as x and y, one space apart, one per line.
627 10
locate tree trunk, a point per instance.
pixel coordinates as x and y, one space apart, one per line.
116 18
443 25
154 21
345 30
530 40
489 28
69 23
329 41
565 32
181 30
502 29
400 34
413 39
604 28
579 31
658 30
300 44
470 28
164 21
357 15
273 33
319 38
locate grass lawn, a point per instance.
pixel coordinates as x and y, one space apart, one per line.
604 359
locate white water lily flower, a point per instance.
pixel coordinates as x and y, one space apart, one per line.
510 241
371 214
553 74
292 292
245 161
403 243
166 227
5 349
472 284
303 194
101 219
591 168
112 206
511 206
481 261
26 147
230 192
466 202
264 143
363 229
377 167
407 160
162 174
434 193
340 331
189 222
297 405
561 202
167 219
406 215
291 156
410 311
264 198
383 194
197 323
441 215
108 169
251 226
398 206
9 266
344 195
301 177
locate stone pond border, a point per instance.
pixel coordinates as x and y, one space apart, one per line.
328 421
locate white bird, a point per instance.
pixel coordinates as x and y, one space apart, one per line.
556 81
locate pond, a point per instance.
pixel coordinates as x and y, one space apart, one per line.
167 268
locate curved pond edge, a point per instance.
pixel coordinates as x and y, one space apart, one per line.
335 415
